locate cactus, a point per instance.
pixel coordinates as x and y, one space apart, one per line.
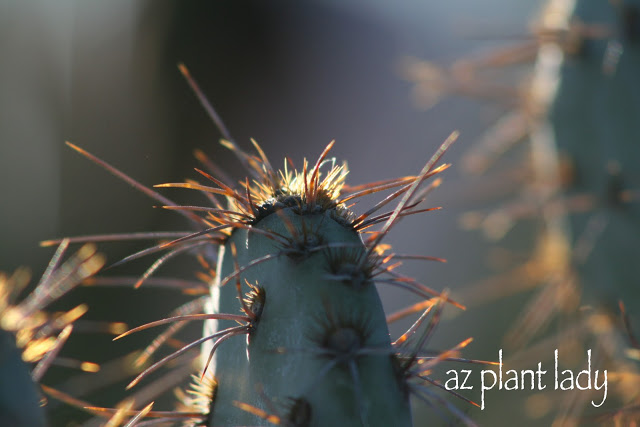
313 336
19 400
318 333
594 125
593 128
295 332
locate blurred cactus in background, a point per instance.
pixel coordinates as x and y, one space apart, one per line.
576 190
31 336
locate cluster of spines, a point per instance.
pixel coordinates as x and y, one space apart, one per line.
355 267
343 340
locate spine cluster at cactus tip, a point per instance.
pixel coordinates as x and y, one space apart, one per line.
294 329
296 333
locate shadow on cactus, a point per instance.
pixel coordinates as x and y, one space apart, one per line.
295 333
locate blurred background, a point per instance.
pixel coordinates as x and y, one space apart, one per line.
292 75
103 75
